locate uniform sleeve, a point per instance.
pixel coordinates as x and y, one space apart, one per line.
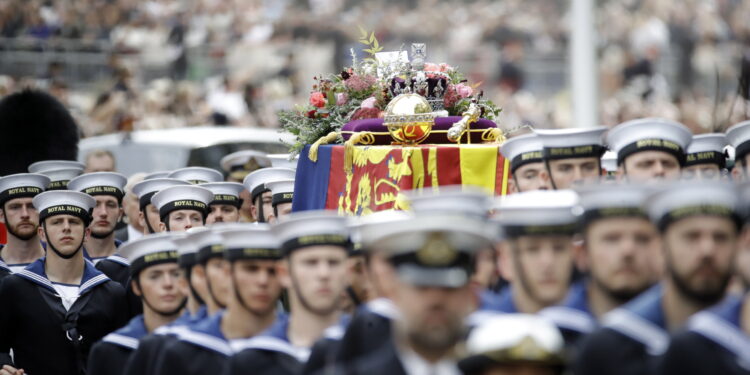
321 357
99 359
170 362
686 356
6 322
606 352
141 359
122 315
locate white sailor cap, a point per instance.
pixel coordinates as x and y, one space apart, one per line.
455 199
149 250
239 164
51 165
100 183
225 192
284 160
609 162
522 150
282 191
249 241
649 134
707 149
364 228
146 189
506 339
21 185
197 175
538 213
158 174
600 201
58 171
187 249
312 228
739 137
675 201
207 242
182 197
431 249
64 202
572 143
255 181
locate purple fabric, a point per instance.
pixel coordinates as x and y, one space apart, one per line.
441 123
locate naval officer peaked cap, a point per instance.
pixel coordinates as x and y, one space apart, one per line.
649 134
64 202
182 197
255 181
522 150
149 250
21 185
146 189
239 164
197 175
707 149
100 183
571 143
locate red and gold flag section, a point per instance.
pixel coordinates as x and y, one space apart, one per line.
379 173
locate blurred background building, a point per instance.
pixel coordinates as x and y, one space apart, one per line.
133 64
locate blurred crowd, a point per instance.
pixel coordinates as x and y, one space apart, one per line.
237 62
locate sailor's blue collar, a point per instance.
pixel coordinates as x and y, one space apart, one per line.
91 276
278 329
188 319
128 335
118 243
721 324
574 312
642 320
211 325
4 266
207 334
502 302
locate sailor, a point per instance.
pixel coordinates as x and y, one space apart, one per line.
145 190
182 207
61 303
226 204
21 221
618 251
154 275
260 195
706 158
526 163
699 225
252 253
426 264
237 166
536 253
130 205
197 175
315 246
58 171
210 268
514 344
282 194
649 149
572 156
738 137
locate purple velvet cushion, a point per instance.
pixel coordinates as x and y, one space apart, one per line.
375 125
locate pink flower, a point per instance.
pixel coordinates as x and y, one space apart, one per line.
451 97
364 113
318 99
341 98
431 67
445 67
360 82
463 90
368 103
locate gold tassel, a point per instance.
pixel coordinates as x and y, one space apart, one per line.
313 153
364 138
493 135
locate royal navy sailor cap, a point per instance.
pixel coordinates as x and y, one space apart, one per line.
707 149
22 185
64 202
249 241
451 199
146 189
312 228
157 174
51 165
207 242
282 191
197 175
182 197
572 143
671 202
739 137
225 192
522 150
255 182
284 161
649 134
609 162
364 231
149 250
187 249
541 212
600 201
58 171
100 183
